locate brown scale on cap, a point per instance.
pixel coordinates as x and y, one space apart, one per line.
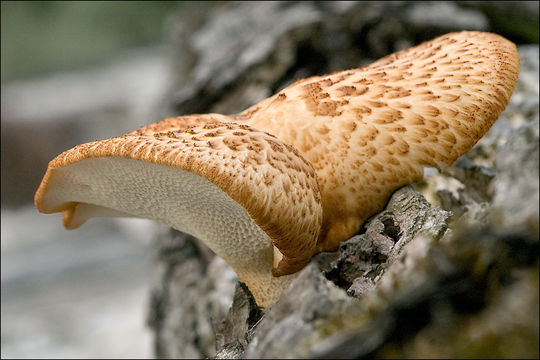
300 171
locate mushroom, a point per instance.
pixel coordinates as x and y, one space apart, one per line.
295 174
248 196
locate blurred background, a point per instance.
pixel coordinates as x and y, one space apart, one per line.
73 72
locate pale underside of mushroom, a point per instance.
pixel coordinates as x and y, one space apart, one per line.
299 172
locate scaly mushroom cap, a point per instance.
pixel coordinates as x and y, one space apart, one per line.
240 183
238 189
371 130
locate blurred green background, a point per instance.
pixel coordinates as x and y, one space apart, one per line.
35 40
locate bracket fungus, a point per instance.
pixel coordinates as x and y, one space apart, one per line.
300 171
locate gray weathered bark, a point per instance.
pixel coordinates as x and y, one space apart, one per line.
457 279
